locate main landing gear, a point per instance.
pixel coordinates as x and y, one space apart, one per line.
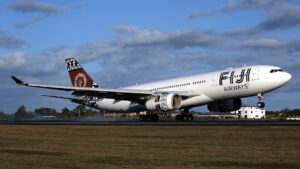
185 116
149 117
260 104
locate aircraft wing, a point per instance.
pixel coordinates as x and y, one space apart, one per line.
119 94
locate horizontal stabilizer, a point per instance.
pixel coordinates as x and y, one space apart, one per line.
61 97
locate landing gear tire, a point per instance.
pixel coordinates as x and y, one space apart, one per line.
260 104
184 117
178 118
152 117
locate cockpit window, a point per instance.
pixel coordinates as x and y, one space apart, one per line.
276 70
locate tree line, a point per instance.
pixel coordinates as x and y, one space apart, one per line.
82 111
284 113
42 112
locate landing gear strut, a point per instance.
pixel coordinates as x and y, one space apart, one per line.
260 104
185 116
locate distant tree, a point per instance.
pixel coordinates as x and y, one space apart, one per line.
31 114
89 112
66 112
296 112
5 116
80 110
21 112
44 111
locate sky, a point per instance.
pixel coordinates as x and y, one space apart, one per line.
121 43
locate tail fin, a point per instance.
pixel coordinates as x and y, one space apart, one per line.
79 77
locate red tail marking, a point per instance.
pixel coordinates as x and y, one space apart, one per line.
79 77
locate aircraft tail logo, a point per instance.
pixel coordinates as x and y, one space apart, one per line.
79 77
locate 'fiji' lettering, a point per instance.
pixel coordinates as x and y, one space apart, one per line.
224 76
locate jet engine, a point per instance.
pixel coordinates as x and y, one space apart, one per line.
227 105
164 102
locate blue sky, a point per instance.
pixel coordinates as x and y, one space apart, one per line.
122 43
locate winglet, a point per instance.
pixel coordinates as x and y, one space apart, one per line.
18 81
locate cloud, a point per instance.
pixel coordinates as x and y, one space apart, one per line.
78 5
251 4
12 60
35 6
233 5
23 24
2 32
133 36
263 44
11 42
283 17
138 50
197 14
279 15
142 42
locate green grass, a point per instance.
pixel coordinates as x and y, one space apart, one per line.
72 146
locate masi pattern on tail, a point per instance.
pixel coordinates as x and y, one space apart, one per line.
79 77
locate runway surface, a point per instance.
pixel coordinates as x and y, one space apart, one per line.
160 123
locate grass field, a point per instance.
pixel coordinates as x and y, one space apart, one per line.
67 146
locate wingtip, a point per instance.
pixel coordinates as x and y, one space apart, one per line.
18 81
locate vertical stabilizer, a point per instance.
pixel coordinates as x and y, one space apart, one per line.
79 77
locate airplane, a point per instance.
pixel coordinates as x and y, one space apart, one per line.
221 91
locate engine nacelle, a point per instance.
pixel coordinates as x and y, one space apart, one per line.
225 105
164 102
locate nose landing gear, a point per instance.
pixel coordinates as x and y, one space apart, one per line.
260 104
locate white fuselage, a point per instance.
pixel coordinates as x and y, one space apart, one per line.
226 84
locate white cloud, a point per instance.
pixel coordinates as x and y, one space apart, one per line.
35 6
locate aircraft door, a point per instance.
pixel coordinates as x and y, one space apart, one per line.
215 80
255 74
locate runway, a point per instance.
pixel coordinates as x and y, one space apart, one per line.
162 123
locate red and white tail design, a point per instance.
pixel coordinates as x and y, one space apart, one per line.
79 77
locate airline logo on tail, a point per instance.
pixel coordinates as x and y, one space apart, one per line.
79 77
80 80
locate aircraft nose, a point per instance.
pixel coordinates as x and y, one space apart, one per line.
287 77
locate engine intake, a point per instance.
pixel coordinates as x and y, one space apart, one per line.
164 102
227 105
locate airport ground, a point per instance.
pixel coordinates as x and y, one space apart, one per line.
149 146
